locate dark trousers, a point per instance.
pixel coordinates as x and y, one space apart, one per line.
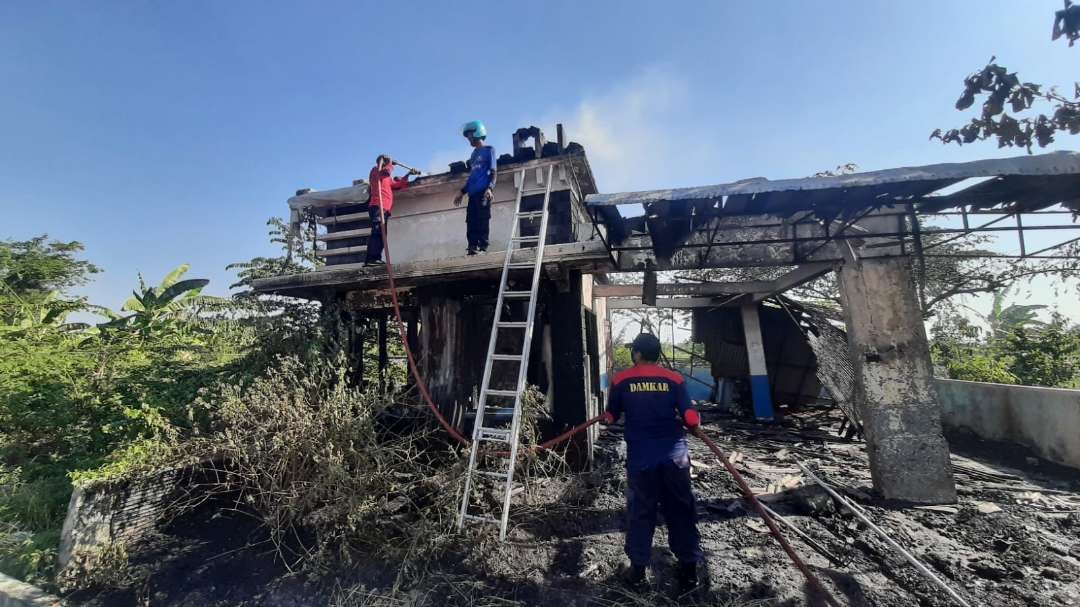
665 487
375 239
477 218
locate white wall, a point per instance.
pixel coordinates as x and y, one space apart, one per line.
427 226
1045 419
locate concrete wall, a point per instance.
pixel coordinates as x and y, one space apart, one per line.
427 226
1044 419
120 512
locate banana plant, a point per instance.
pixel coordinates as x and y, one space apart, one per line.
162 310
47 313
1004 319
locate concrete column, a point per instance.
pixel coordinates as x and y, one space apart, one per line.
755 352
894 384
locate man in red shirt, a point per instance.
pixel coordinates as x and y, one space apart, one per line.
383 185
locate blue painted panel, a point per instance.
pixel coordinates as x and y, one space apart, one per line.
698 390
759 388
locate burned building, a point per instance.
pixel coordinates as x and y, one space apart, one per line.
870 228
875 230
448 298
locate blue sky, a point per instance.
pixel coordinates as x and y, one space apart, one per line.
166 132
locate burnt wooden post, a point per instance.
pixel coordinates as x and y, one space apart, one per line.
411 335
355 348
384 358
569 343
412 338
442 343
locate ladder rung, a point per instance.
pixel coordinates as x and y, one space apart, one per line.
482 519
533 191
506 393
501 477
494 434
530 215
522 264
526 239
517 294
511 324
505 357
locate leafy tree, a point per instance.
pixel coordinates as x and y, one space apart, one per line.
39 266
33 273
1002 88
1048 355
293 259
1017 348
79 401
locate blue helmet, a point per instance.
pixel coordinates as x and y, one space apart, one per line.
476 127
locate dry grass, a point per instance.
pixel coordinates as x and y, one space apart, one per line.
312 458
335 485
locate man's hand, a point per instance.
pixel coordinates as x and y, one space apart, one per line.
692 419
488 196
458 198
607 419
414 172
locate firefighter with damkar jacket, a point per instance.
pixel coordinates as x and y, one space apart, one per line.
656 405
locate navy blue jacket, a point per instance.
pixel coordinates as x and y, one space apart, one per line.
654 400
482 166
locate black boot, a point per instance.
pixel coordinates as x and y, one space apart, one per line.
686 574
634 576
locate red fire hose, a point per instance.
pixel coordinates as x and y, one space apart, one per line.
814 582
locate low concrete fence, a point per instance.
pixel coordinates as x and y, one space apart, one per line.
120 512
14 593
110 515
1045 419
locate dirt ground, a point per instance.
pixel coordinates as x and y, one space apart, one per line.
1013 539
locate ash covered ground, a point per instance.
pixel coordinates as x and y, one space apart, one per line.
1012 539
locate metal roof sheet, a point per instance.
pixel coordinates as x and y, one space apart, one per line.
915 181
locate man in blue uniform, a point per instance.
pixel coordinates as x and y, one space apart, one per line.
479 187
656 406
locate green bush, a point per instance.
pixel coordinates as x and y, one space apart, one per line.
31 513
1019 349
29 556
1047 355
979 367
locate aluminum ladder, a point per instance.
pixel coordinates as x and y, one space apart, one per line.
484 434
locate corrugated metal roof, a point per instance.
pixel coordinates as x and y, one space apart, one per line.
870 188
